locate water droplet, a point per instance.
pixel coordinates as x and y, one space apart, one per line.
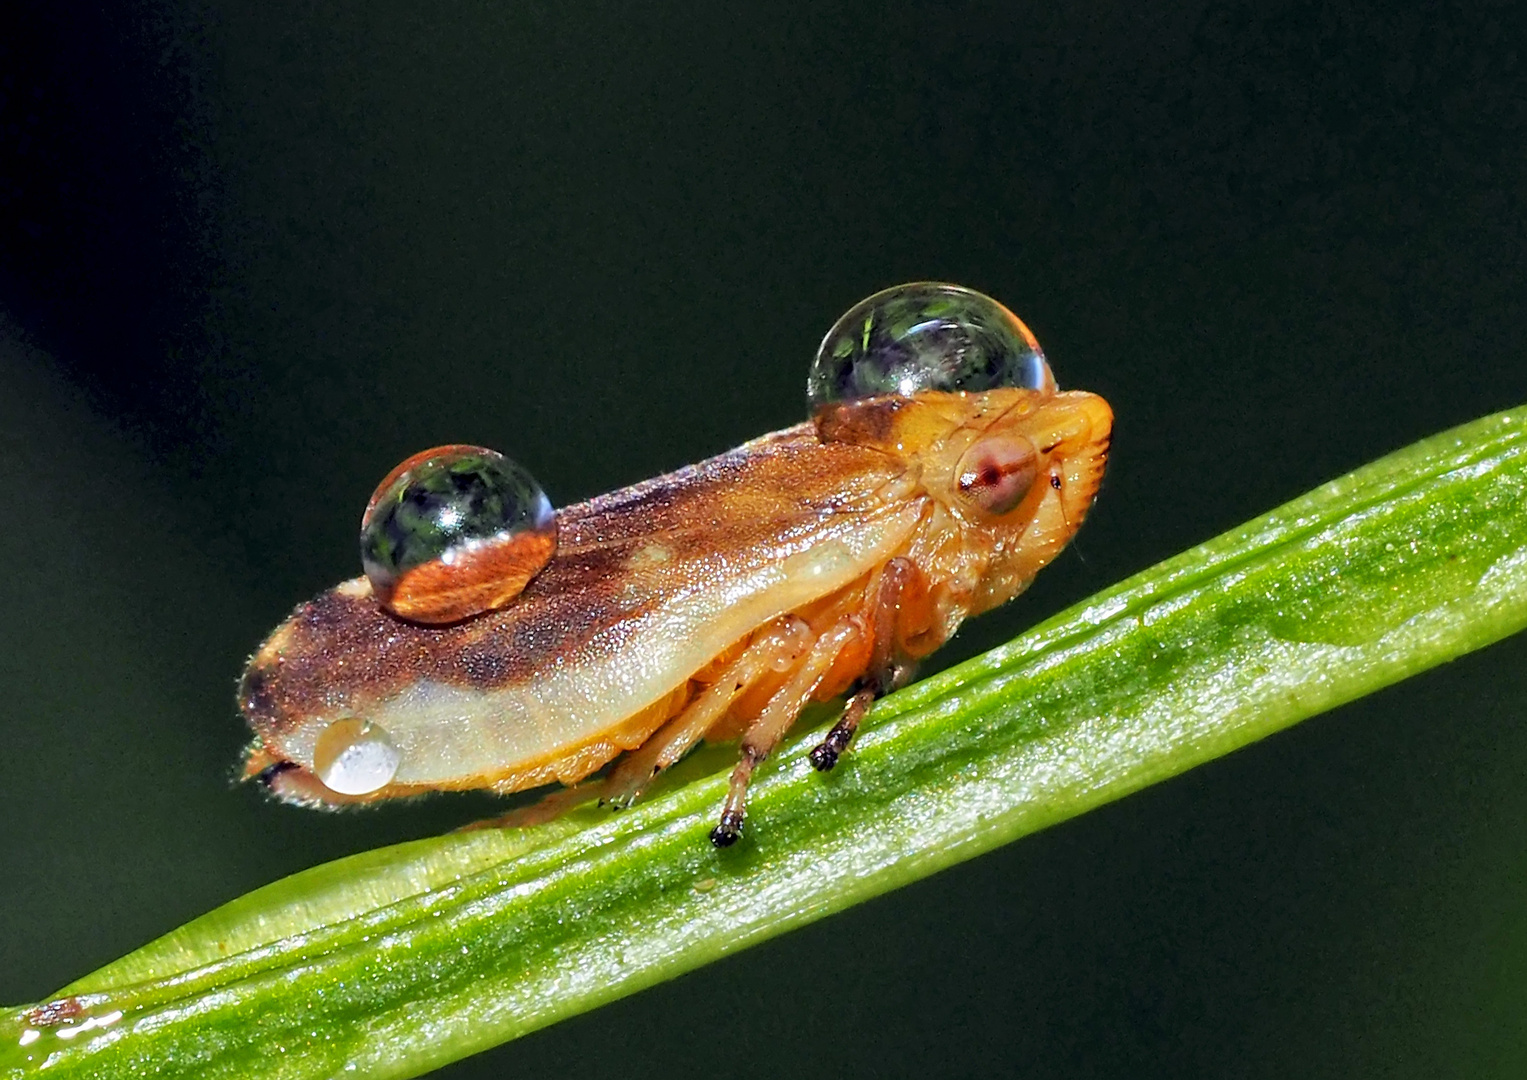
925 335
355 757
453 532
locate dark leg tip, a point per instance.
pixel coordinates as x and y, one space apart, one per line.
728 831
267 776
830 749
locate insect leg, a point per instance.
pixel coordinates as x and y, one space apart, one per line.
885 672
766 731
780 644
548 807
784 641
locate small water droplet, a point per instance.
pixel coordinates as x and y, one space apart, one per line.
355 757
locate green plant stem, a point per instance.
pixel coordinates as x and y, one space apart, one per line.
393 962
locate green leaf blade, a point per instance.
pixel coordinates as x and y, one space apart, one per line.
394 962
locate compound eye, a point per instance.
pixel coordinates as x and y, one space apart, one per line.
995 474
453 532
925 335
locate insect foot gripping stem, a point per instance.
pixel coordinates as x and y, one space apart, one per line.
829 750
729 829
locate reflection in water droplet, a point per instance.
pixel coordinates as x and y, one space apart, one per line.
925 335
455 531
355 757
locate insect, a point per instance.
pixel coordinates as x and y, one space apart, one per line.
496 644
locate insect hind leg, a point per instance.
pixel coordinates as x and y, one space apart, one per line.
548 807
784 641
765 732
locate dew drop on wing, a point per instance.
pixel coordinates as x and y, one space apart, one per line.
355 757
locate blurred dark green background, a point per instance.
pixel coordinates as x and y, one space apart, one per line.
252 254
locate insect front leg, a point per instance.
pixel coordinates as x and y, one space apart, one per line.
778 647
901 588
764 733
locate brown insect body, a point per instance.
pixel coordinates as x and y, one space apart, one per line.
710 603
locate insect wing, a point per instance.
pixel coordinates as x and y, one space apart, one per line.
647 586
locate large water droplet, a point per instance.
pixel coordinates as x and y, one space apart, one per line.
925 335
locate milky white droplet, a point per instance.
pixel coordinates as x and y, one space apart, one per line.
355 757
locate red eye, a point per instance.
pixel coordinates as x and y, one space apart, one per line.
997 473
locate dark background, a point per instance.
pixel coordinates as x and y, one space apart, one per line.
252 254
